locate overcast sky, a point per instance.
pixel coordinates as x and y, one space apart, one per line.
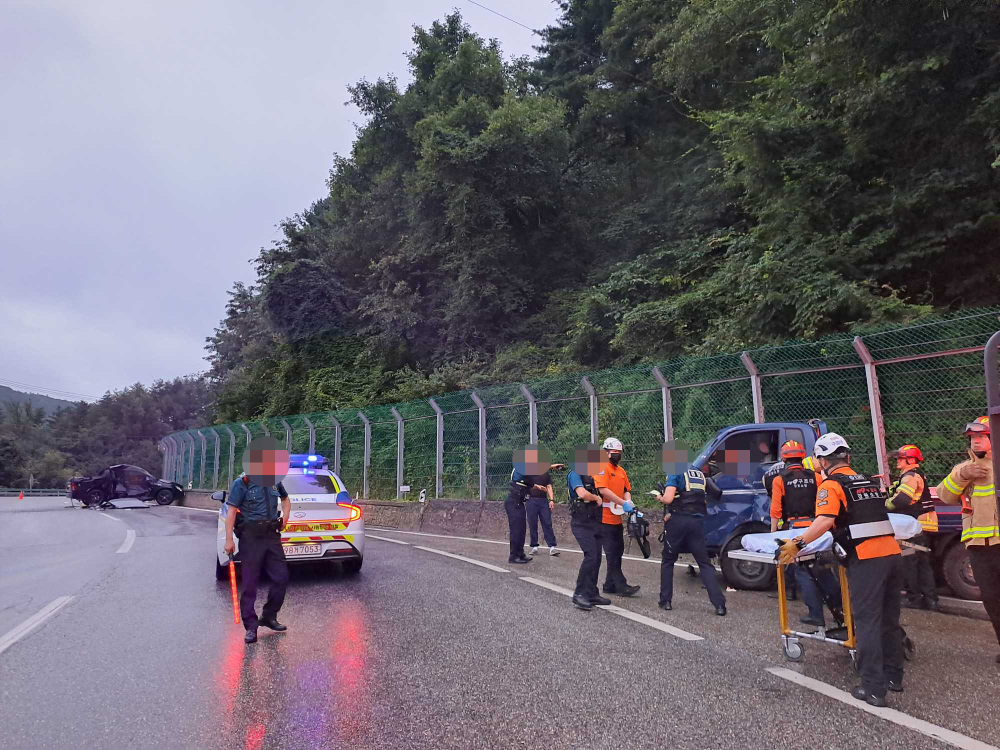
148 150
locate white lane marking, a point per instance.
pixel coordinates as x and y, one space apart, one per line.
385 539
129 541
627 614
113 518
13 636
184 507
464 559
889 714
493 541
547 585
661 626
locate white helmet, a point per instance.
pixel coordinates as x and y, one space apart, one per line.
613 444
828 444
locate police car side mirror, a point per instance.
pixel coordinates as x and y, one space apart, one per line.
219 496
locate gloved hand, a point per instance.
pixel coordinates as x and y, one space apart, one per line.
973 473
888 505
628 506
788 551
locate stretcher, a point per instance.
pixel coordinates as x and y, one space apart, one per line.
762 548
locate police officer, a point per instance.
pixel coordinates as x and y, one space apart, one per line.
852 506
910 494
585 507
615 488
260 547
526 466
793 505
685 497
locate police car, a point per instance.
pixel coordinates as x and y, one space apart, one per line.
325 525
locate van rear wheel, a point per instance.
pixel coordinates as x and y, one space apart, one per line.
957 571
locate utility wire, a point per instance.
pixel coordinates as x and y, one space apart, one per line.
39 389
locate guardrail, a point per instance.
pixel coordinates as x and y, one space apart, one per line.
7 492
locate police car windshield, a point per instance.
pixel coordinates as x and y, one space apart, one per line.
309 484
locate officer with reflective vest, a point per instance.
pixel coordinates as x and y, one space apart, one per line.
616 491
972 484
793 506
911 495
527 463
852 506
585 507
686 499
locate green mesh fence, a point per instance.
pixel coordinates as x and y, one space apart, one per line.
930 378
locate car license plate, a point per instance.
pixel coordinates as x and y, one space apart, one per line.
298 550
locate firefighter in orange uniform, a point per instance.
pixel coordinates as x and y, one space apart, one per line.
613 485
911 495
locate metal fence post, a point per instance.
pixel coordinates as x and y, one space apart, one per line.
874 405
336 444
215 471
267 431
368 453
201 468
172 468
438 449
246 431
167 458
180 448
232 454
162 445
758 400
585 382
312 435
399 452
532 415
668 407
191 459
482 443
288 435
991 355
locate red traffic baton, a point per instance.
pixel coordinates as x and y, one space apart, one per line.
232 589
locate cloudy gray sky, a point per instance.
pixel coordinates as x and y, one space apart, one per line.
148 149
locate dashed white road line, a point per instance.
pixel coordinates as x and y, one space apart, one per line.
494 541
627 614
129 541
480 563
11 637
385 539
113 518
889 714
185 507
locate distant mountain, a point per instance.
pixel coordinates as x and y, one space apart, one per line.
46 402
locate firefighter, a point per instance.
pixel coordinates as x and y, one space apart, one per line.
852 506
911 494
793 505
614 487
971 483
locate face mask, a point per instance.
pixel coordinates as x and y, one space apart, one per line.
615 459
979 454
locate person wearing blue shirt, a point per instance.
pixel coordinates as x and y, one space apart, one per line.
685 499
260 549
585 506
517 519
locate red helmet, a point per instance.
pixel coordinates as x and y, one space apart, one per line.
908 451
793 449
980 427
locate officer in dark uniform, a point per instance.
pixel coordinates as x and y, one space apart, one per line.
685 497
528 464
260 549
585 521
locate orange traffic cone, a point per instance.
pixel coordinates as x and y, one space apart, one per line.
21 495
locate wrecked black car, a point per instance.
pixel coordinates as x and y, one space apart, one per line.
122 481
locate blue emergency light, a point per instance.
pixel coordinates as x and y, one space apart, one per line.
309 460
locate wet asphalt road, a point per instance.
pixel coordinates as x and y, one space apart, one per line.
419 650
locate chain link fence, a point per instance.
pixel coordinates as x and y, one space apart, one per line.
879 389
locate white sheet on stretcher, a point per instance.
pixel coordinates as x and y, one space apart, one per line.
905 527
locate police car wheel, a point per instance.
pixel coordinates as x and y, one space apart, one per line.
164 497
221 571
352 566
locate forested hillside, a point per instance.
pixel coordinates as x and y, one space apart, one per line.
46 403
122 427
665 177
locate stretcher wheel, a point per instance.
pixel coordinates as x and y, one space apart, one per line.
794 649
909 648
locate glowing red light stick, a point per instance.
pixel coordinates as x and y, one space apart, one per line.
232 589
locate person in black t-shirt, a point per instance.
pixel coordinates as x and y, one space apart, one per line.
539 507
